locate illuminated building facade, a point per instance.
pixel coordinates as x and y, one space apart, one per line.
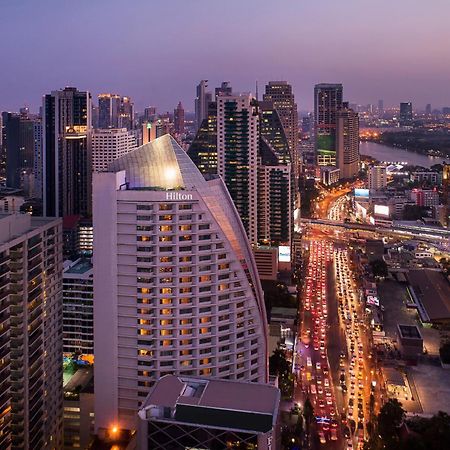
347 142
67 167
175 282
328 100
31 396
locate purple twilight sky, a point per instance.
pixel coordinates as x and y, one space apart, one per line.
156 51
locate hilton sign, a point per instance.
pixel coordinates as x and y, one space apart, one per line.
178 196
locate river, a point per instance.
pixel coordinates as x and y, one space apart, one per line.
393 154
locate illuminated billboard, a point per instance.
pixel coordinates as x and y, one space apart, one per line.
284 253
381 210
372 300
362 193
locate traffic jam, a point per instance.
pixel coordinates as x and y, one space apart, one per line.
353 368
313 373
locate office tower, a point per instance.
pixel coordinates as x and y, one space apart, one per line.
67 165
187 412
406 114
31 396
428 109
380 107
377 177
201 103
178 119
176 287
37 163
108 145
108 110
126 113
279 93
347 142
327 101
149 113
224 89
275 179
237 153
155 129
78 308
19 146
203 149
95 116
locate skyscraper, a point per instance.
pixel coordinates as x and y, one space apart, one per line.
178 119
108 145
327 101
237 153
31 396
279 93
380 107
406 114
108 110
176 287
377 177
67 169
201 103
19 146
347 142
126 113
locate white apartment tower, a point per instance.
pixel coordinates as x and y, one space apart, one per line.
347 142
175 282
108 145
237 155
377 178
31 394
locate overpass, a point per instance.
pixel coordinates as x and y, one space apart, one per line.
421 232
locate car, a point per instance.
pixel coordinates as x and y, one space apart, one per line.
322 437
326 382
318 366
334 434
349 445
313 389
308 362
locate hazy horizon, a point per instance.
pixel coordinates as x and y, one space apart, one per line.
156 52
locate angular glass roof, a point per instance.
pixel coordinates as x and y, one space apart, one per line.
160 164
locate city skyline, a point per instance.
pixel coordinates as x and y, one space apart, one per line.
407 52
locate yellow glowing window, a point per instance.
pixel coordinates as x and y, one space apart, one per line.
205 361
185 300
186 363
223 287
144 332
166 312
186 342
186 332
165 228
186 352
205 319
145 290
185 290
165 239
204 330
144 322
185 321
166 343
166 291
166 259
204 278
145 352
165 322
185 259
166 332
146 301
185 279
185 227
144 238
165 207
206 371
223 266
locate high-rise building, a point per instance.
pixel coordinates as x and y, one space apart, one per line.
108 110
237 155
31 396
155 129
149 113
347 142
201 103
224 89
406 114
78 308
178 119
327 101
279 93
377 177
176 287
108 145
66 159
203 150
126 113
37 169
380 107
18 141
428 109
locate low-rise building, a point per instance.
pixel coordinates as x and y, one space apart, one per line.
187 412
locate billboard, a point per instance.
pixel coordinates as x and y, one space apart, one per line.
364 193
284 253
381 210
373 300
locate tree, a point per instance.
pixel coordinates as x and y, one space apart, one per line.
444 352
308 414
390 419
278 365
379 268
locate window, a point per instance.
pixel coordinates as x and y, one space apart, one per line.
185 227
204 247
165 249
186 248
166 290
185 238
144 228
204 278
165 239
165 259
165 207
204 237
185 259
144 207
184 206
185 279
166 217
146 218
203 226
185 216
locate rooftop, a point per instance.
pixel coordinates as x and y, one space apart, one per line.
213 402
79 267
160 164
433 291
409 332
